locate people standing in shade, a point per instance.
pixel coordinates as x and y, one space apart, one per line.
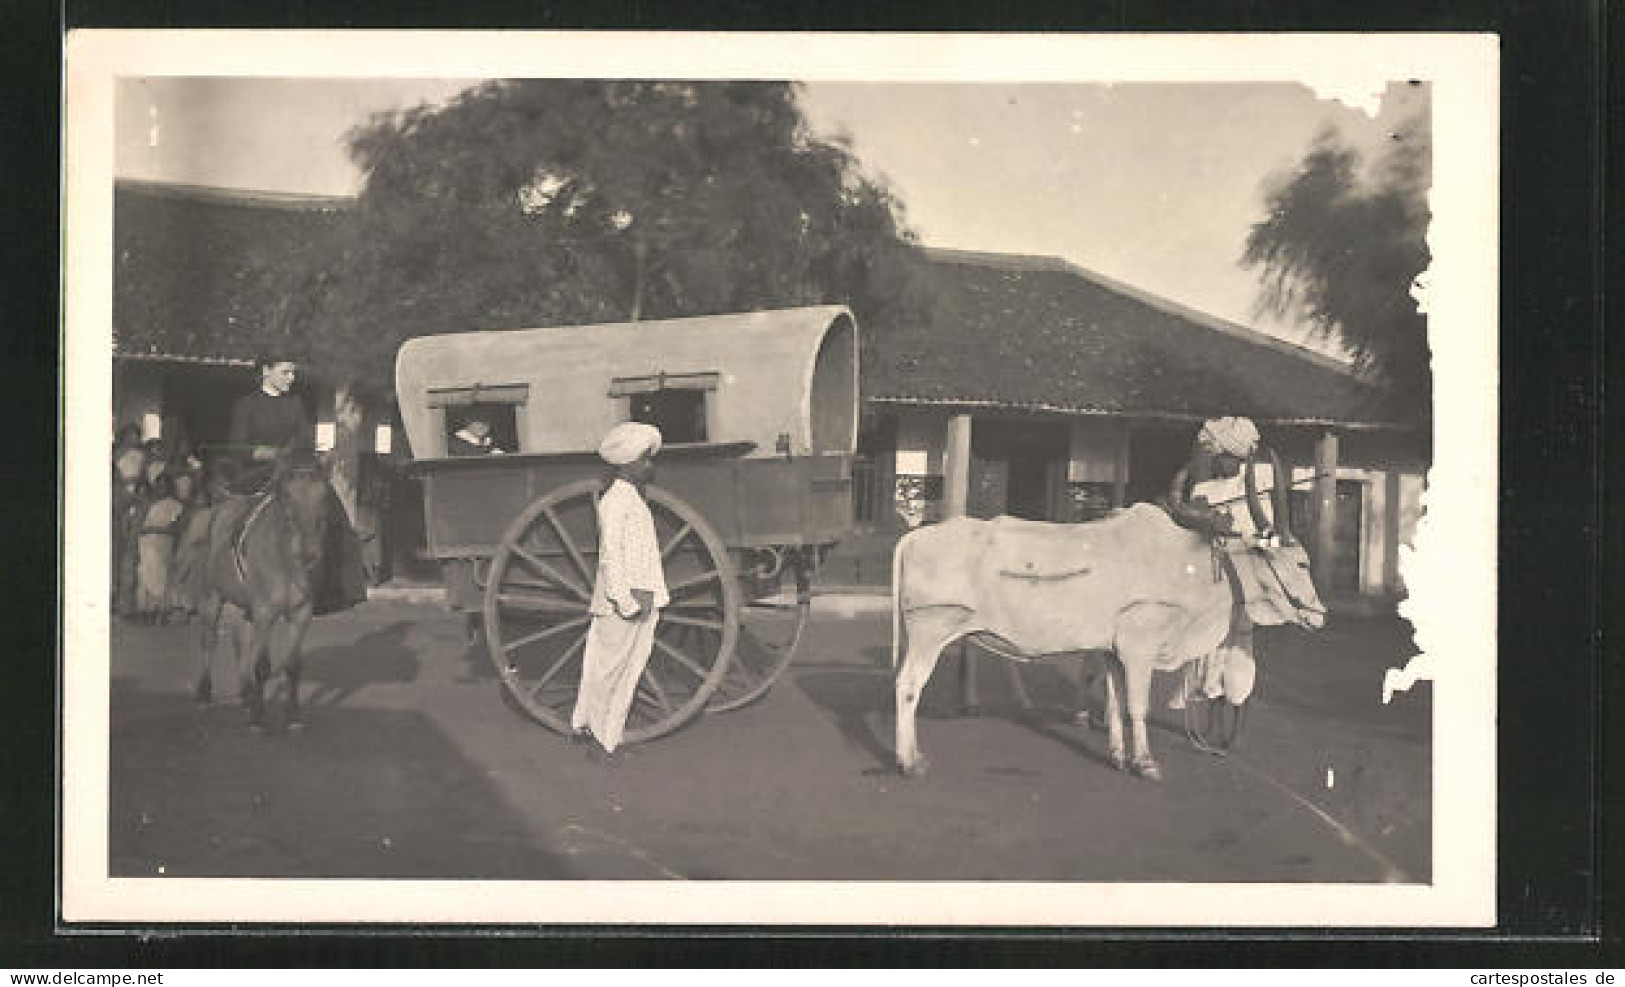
271 422
157 551
191 539
629 592
129 504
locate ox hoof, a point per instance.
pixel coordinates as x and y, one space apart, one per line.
970 709
256 727
1144 767
1118 761
915 768
296 725
203 693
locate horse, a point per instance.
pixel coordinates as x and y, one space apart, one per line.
263 557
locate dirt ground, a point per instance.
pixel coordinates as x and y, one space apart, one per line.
413 766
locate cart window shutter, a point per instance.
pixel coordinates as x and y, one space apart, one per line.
462 397
621 387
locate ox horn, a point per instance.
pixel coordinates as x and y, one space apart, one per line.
1281 499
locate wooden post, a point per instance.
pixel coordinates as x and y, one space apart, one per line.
955 497
1325 511
956 467
1390 532
1120 481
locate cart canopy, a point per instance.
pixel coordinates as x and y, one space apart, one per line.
783 381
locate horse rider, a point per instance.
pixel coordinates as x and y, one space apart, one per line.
628 593
1207 495
264 424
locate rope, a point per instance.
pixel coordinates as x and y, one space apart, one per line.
239 548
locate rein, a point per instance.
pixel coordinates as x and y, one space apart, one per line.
240 548
1292 598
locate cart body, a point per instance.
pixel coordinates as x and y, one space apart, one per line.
766 401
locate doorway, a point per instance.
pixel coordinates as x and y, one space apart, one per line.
1017 468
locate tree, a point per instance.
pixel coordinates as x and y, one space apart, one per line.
1342 249
550 202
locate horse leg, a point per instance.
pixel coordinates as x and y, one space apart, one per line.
208 642
1114 713
293 661
926 639
251 664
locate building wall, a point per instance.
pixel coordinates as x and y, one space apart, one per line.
138 397
1389 472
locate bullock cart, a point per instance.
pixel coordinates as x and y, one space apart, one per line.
752 489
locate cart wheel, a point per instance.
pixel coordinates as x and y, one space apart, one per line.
536 598
766 647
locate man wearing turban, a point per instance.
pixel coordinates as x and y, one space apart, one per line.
629 591
1223 491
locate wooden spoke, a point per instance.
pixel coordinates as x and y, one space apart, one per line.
681 659
569 544
676 540
697 604
538 565
545 633
693 581
671 618
537 604
655 690
553 669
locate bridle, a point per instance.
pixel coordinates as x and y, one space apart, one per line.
1298 603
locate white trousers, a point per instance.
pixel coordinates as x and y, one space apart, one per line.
616 652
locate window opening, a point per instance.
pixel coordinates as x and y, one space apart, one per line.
467 436
679 413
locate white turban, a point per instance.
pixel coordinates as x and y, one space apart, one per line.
1236 436
628 441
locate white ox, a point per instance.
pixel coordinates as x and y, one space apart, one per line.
1137 585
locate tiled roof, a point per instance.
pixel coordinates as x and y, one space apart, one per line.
1038 334
184 262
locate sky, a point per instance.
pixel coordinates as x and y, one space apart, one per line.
1152 184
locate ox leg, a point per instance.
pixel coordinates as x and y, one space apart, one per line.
1137 674
1114 713
924 649
1018 686
970 703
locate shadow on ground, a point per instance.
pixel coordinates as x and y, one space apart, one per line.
359 793
336 673
862 703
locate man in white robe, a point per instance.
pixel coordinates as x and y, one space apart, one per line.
1215 479
629 592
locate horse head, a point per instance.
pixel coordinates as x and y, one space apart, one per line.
301 486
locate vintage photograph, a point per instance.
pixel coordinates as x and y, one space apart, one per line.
918 484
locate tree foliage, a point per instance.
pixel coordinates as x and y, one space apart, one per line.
546 202
1342 249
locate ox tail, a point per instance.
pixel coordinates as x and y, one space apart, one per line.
897 600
